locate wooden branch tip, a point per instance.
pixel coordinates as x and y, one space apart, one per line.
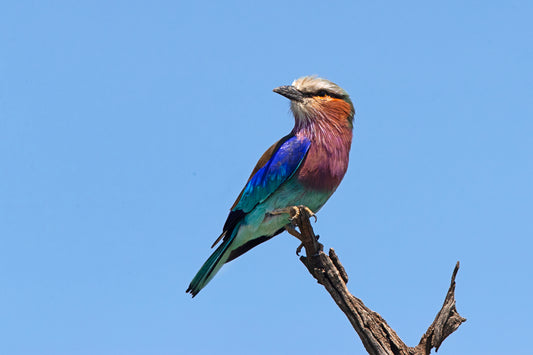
373 330
455 270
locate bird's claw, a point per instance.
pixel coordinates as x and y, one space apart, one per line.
292 231
310 213
300 247
293 212
287 210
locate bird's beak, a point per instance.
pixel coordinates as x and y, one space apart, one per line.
290 92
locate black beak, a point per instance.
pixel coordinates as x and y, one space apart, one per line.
290 92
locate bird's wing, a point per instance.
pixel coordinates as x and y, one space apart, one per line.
276 165
277 168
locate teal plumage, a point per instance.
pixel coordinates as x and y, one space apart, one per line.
303 168
280 167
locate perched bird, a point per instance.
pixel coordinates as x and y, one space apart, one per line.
303 168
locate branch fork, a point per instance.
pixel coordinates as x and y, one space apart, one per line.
377 336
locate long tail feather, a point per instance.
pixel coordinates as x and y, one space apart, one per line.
210 267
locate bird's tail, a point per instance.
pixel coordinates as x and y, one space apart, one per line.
210 267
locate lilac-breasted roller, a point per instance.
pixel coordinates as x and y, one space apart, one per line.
303 168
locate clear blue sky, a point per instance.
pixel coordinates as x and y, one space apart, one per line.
127 130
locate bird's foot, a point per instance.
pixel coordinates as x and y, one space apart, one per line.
299 249
292 231
293 212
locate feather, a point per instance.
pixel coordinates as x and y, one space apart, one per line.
284 162
276 165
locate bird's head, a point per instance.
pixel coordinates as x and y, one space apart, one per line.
315 99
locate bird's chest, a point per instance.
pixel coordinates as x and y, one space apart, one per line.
324 166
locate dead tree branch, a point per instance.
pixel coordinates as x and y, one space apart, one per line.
377 336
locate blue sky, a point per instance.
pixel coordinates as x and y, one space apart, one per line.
127 130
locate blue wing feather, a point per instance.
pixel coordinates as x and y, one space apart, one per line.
280 167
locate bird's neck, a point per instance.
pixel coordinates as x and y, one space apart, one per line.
325 124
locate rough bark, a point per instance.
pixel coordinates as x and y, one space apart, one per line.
377 336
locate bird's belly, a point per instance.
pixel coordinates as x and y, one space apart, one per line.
260 221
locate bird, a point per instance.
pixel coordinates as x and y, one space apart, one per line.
304 168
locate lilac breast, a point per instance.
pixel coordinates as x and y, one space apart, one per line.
326 163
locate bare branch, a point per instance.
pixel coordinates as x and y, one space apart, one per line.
377 336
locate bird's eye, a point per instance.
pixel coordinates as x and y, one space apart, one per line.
322 93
